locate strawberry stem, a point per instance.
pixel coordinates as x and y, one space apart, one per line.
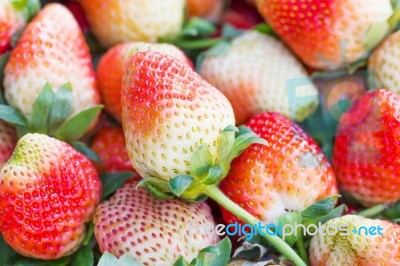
216 194
301 249
197 44
373 211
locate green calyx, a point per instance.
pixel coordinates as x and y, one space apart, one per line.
51 115
204 169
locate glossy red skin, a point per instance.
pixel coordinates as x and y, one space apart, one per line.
109 144
44 210
366 151
242 15
263 170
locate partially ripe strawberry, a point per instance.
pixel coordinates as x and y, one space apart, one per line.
13 17
208 9
51 49
290 173
109 144
169 111
325 34
384 63
48 192
154 232
328 248
110 70
8 140
116 21
366 150
257 73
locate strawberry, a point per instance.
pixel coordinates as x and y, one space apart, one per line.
265 78
77 10
110 70
317 31
8 139
48 191
13 17
109 144
182 107
154 232
289 174
383 63
180 135
241 15
209 9
351 245
119 21
52 49
365 151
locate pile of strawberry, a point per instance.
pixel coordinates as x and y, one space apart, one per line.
124 124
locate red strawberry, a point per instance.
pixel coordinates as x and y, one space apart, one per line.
366 148
154 232
348 247
290 173
51 49
13 17
318 30
48 192
8 139
116 21
110 70
109 144
79 14
242 15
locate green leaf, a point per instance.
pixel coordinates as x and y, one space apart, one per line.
19 4
89 234
113 181
61 107
75 127
12 116
224 256
220 49
41 110
321 207
34 262
29 7
85 150
227 142
198 27
229 32
108 259
393 212
180 184
157 192
214 176
211 249
127 260
265 29
244 138
201 161
291 218
5 251
250 251
83 257
180 262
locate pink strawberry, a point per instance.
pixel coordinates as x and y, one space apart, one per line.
110 70
48 192
154 232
